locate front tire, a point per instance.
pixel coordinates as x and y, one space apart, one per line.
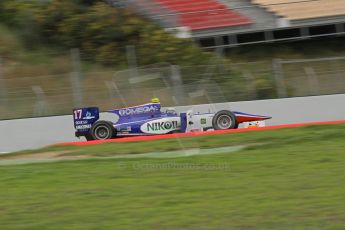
102 130
224 119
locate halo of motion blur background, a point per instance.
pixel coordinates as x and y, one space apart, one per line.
60 54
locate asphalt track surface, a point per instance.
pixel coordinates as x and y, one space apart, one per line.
34 133
191 134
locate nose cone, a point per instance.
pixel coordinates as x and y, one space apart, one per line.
246 117
266 117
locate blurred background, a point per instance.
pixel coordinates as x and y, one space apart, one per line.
56 55
59 54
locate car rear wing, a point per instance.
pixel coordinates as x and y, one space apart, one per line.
84 118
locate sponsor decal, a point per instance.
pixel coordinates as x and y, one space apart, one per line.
203 121
164 125
138 110
125 129
88 116
254 124
83 126
81 122
161 126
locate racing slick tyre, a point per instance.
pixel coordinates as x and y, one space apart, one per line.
102 130
224 119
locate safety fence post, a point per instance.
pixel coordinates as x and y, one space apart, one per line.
132 60
250 79
3 89
177 85
313 81
76 90
41 106
279 78
76 77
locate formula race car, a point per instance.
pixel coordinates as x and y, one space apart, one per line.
148 119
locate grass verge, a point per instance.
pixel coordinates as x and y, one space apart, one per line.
293 180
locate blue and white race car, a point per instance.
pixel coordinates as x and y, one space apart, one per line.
148 119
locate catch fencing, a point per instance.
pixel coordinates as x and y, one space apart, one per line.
219 81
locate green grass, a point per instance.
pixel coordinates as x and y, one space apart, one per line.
293 180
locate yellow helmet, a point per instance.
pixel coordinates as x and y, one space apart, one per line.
155 100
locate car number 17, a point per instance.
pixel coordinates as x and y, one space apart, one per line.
78 113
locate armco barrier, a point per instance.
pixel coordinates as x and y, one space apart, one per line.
31 133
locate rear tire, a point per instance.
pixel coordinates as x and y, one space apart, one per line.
224 119
102 130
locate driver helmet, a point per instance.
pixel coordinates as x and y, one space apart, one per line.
155 100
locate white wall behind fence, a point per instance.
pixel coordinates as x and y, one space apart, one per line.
32 133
